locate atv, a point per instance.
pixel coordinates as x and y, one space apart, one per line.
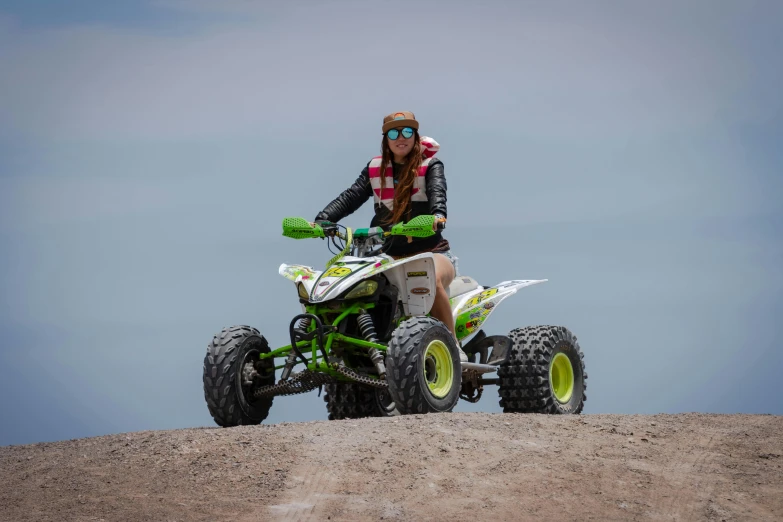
366 336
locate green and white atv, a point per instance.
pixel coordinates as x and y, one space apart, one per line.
365 334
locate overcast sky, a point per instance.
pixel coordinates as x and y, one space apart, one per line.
629 152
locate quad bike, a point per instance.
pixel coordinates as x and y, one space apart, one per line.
365 334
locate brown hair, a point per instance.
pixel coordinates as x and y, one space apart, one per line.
402 192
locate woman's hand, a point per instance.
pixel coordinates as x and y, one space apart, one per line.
329 228
440 223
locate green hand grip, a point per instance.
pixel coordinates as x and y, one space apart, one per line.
300 228
367 232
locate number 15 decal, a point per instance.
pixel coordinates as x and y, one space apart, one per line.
337 271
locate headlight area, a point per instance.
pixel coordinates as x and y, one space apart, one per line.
366 288
300 288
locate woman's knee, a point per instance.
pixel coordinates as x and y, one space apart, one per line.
444 271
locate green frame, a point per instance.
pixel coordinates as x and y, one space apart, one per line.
315 361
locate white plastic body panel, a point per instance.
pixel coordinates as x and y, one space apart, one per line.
415 300
472 309
416 281
414 277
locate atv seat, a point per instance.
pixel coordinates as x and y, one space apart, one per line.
462 285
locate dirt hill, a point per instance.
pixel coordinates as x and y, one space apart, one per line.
459 466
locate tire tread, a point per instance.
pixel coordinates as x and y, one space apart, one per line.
218 378
524 378
402 358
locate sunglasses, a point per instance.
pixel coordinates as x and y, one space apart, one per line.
393 134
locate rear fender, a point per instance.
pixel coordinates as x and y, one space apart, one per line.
472 309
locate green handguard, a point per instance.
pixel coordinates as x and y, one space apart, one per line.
420 226
300 228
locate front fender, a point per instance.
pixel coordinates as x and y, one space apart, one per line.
403 273
297 273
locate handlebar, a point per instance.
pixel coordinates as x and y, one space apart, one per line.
300 228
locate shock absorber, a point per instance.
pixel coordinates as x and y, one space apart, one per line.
303 325
367 329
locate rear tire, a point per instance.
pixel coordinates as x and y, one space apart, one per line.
229 400
545 372
423 367
350 400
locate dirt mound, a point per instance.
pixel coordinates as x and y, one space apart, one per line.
419 467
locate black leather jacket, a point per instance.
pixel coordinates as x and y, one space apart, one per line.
357 194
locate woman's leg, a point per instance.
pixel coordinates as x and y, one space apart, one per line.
441 308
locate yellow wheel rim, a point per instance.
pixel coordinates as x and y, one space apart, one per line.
438 370
561 377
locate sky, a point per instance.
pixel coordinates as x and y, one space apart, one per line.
627 152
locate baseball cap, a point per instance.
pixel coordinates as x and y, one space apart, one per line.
400 119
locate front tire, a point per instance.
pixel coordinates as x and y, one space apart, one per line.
422 367
545 372
229 399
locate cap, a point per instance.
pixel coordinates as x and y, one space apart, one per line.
400 119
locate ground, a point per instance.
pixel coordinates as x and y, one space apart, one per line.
450 467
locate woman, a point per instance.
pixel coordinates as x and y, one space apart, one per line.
406 181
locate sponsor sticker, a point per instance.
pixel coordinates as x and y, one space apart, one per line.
417 274
420 291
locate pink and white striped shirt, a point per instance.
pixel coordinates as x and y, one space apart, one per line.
429 148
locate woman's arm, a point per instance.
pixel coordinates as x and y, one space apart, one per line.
349 201
436 188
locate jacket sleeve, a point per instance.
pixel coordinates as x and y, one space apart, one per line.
436 188
350 200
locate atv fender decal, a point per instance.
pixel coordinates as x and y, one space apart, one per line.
474 308
295 272
483 295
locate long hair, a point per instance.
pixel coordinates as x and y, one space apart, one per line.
402 192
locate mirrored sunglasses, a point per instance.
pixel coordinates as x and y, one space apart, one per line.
393 134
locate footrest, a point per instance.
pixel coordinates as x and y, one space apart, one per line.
478 368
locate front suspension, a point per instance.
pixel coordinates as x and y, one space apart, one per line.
301 334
